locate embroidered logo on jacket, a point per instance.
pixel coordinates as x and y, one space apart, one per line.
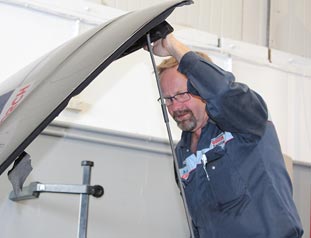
219 140
193 160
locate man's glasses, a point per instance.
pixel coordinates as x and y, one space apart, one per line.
179 97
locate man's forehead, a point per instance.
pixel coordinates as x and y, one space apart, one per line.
173 75
171 84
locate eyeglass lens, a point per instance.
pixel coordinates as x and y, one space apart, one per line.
179 97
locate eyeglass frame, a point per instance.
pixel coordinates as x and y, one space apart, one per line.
172 98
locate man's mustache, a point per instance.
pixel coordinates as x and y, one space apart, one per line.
180 113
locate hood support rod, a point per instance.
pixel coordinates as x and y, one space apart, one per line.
166 120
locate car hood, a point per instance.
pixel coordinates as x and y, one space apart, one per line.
34 96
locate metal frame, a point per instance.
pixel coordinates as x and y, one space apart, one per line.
35 188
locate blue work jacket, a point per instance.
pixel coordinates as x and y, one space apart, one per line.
236 184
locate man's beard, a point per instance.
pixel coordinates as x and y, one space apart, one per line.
188 124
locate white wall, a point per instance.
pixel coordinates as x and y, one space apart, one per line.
141 198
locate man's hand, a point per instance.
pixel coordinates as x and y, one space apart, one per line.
170 46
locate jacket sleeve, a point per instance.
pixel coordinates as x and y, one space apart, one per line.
232 105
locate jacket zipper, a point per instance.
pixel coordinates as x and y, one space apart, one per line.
204 160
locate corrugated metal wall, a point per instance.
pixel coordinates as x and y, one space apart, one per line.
281 24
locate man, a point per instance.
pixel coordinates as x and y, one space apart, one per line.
229 157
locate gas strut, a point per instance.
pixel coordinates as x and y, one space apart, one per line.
166 120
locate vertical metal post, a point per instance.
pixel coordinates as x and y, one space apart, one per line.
84 199
268 26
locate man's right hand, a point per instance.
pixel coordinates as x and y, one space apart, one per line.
170 46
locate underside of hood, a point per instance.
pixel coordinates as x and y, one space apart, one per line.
34 96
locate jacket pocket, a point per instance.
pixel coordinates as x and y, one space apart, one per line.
225 183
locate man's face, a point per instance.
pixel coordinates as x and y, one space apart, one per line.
189 115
